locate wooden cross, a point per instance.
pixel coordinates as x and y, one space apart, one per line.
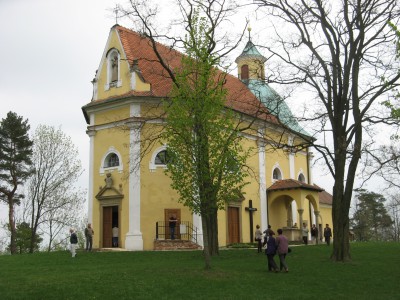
251 209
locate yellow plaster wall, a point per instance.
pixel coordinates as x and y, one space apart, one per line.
256 68
102 143
301 164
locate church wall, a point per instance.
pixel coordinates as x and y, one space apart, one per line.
276 157
156 196
326 215
301 165
112 115
103 142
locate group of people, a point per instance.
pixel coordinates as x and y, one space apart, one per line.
314 234
89 232
280 245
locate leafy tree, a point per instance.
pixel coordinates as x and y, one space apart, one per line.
343 53
23 238
52 202
204 147
15 165
371 221
202 136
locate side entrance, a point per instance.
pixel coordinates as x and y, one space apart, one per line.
168 213
233 225
110 219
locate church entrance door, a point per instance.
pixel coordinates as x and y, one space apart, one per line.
168 213
233 225
110 219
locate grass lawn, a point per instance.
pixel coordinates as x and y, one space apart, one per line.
237 274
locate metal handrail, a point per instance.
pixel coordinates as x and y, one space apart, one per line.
184 230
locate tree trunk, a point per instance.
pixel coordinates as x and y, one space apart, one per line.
11 221
213 233
206 250
340 211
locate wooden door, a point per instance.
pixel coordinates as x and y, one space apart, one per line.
168 213
233 225
107 226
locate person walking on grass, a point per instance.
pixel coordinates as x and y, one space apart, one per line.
282 249
258 237
73 239
89 232
271 251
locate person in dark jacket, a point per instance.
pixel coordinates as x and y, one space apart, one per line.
73 239
327 234
271 251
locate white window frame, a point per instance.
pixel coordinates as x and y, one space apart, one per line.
152 164
119 168
276 166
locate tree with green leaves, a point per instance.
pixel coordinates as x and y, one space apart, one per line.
371 221
15 165
206 158
23 239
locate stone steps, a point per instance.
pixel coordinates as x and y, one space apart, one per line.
161 245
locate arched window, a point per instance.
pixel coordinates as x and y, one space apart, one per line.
162 158
112 160
244 72
277 175
159 159
302 178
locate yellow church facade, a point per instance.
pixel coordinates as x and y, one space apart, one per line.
128 188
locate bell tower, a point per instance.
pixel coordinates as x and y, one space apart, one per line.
250 63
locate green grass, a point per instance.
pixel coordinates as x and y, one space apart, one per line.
236 274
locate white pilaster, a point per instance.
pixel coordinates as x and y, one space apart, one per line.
91 134
262 183
291 165
134 238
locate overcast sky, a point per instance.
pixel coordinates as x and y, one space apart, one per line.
50 50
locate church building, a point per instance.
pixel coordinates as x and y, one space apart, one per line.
128 189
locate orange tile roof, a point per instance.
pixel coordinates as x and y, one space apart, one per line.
139 49
290 184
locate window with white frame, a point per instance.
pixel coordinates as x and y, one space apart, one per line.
302 178
159 159
277 174
111 160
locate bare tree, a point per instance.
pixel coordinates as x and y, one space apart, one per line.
341 52
52 198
